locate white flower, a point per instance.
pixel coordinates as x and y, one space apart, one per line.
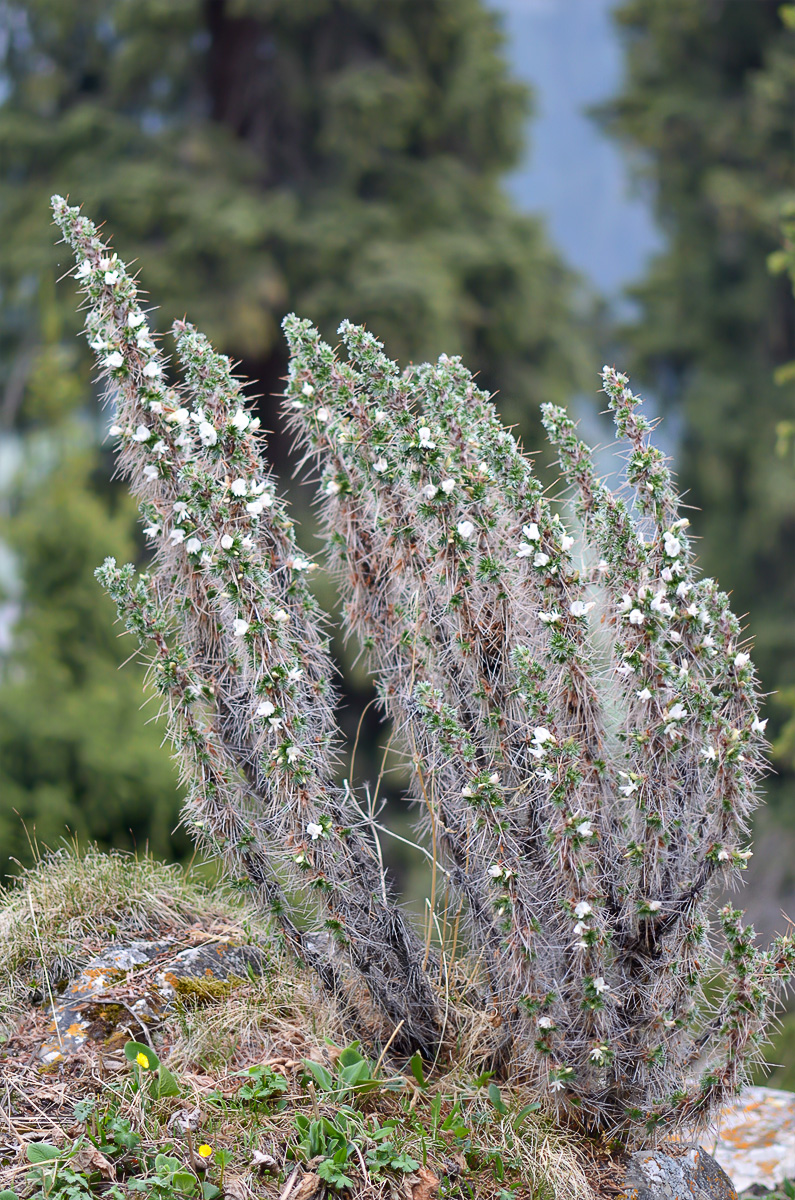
677 712
313 829
759 726
585 829
744 855
627 789
142 434
580 928
682 589
380 465
671 545
424 435
308 390
709 753
708 641
332 487
84 270
238 487
240 420
625 669
429 491
301 564
465 529
156 407
281 616
111 277
266 709
239 627
546 1023
467 792
495 778
654 905
660 604
227 541
723 855
151 531
626 603
566 542
600 986
135 318
636 617
193 545
597 1054
180 508
379 416
246 542
207 433
556 1085
741 660
579 608
448 486
674 635
143 340
540 559
322 415
531 532
495 872
152 369
177 536
294 674
525 551
150 471
115 431
549 618
666 575
293 754
114 360
645 694
582 909
180 416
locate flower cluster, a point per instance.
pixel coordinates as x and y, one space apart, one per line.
576 703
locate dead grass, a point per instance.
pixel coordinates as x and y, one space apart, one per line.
281 1020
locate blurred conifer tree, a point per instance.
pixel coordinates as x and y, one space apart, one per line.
707 107
336 157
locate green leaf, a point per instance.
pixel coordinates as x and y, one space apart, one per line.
7 1195
525 1112
321 1076
350 1055
415 1066
210 1191
167 1084
404 1162
497 1100
41 1152
133 1049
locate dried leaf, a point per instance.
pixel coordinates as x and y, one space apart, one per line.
89 1159
236 1187
263 1162
427 1187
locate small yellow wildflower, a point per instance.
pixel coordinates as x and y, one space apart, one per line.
142 1060
205 1151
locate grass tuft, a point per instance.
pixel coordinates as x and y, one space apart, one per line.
261 1073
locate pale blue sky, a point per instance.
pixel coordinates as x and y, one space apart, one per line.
569 51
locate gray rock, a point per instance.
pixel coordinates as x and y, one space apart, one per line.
686 1174
132 985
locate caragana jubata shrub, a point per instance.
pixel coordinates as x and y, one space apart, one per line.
585 741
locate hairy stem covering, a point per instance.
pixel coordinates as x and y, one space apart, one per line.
578 709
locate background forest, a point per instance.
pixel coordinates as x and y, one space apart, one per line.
349 158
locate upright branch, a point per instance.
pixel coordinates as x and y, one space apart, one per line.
577 706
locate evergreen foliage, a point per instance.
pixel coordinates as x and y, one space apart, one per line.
707 110
586 784
344 158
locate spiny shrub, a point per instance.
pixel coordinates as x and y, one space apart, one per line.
584 739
